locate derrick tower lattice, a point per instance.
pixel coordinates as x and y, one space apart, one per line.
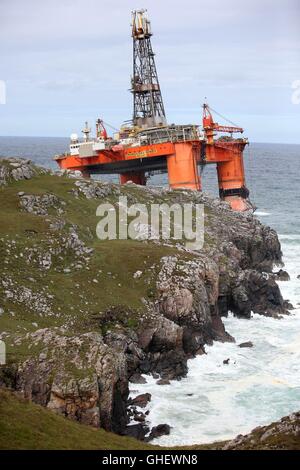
148 107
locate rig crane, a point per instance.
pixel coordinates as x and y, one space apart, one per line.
150 144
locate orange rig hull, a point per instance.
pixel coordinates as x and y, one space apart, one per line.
180 160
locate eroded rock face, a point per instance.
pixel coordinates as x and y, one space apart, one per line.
79 377
189 293
258 292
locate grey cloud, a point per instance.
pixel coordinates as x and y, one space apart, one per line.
242 55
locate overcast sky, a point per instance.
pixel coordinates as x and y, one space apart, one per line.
65 61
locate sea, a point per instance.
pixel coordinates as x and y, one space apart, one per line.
260 384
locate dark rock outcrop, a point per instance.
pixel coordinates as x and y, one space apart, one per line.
137 379
158 431
258 292
282 275
141 400
246 344
138 431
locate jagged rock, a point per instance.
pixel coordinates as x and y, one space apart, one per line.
141 400
163 382
257 292
139 416
246 344
282 275
160 430
287 305
137 379
260 247
138 431
166 337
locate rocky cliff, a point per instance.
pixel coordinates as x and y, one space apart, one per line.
25 425
81 316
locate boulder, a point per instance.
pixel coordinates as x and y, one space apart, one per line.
282 275
246 344
138 431
137 379
158 431
141 400
163 382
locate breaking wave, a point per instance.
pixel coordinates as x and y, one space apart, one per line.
261 384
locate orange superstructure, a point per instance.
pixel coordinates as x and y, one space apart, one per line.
228 156
150 144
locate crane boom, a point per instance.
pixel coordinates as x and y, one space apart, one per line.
209 124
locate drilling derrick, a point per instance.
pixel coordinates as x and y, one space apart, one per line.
148 107
150 144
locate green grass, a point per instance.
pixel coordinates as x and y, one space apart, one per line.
24 425
78 297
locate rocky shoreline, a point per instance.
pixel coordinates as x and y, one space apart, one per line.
74 352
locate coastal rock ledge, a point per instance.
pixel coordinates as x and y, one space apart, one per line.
80 317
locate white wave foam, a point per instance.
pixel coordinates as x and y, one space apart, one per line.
285 236
262 213
218 401
259 385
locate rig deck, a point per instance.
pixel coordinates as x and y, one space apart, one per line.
150 144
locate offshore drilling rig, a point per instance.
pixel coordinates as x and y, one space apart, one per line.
150 144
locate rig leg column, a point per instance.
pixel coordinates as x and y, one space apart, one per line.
232 186
182 167
135 177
